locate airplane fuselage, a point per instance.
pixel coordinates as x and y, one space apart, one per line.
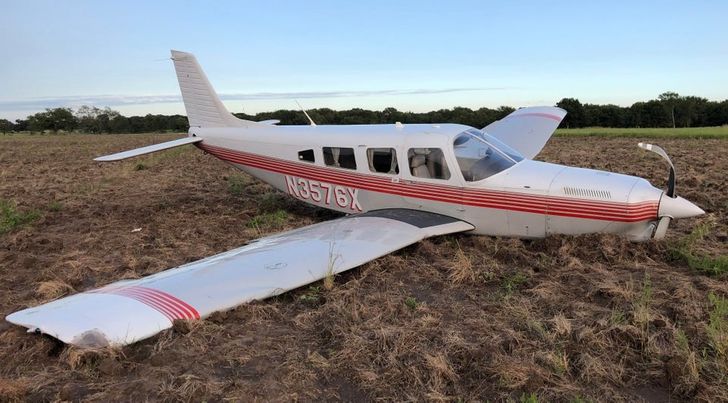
359 168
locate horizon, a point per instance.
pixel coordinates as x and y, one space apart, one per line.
414 57
74 109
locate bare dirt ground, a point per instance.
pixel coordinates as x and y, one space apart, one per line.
590 318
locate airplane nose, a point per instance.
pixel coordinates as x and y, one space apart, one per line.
678 208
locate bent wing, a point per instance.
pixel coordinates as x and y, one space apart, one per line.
131 310
528 129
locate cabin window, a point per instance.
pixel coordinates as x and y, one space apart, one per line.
382 160
428 163
339 157
306 155
478 158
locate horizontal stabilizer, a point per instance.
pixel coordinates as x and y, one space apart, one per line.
528 129
270 122
131 310
149 149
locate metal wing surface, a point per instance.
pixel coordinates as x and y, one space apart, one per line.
149 149
528 129
130 310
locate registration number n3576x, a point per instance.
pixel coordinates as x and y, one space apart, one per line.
322 192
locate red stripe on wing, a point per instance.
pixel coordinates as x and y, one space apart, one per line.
166 304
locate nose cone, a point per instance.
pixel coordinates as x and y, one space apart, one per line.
678 208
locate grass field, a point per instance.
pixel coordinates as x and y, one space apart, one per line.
453 318
685 132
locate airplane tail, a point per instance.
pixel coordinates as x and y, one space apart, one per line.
204 108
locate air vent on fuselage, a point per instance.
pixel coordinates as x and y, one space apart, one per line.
581 192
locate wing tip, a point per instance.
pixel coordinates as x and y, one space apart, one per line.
548 112
110 158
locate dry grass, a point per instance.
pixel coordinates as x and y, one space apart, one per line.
53 289
187 388
592 318
461 267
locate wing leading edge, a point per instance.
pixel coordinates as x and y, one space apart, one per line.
131 310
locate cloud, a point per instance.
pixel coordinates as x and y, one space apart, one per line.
32 104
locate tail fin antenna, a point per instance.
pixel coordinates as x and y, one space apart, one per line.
305 113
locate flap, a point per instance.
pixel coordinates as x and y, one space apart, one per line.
528 129
131 310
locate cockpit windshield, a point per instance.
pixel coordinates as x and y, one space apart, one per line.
481 155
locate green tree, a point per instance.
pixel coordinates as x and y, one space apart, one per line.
39 122
86 116
55 120
391 115
62 119
574 112
6 126
716 113
691 111
21 125
670 100
647 114
136 124
503 111
92 119
119 124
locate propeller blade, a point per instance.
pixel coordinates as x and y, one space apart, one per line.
661 229
659 151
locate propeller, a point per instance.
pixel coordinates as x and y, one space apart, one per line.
671 206
661 152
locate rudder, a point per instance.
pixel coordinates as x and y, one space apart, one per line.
204 107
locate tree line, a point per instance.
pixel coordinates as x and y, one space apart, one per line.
668 110
90 119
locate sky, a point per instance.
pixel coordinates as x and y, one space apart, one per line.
411 55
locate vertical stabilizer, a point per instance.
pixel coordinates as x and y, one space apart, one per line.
204 108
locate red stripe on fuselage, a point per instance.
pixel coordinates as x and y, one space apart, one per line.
354 178
552 205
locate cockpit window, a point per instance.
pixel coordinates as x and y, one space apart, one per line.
479 155
505 148
428 163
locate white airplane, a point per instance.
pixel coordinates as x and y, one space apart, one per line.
400 183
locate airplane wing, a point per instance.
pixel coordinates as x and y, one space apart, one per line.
528 129
149 149
130 310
